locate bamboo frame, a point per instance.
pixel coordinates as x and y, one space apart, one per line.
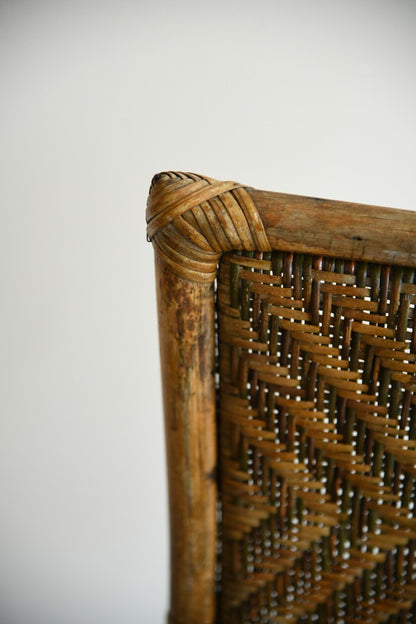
192 220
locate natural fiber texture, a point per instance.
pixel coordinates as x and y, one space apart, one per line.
193 219
317 440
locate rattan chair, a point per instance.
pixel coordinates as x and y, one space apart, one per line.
288 356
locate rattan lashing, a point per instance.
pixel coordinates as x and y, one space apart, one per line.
316 411
197 218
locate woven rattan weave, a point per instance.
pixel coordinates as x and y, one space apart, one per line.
317 439
288 353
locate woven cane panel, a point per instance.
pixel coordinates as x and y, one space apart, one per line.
317 440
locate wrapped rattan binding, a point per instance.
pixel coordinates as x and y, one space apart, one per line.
308 516
193 219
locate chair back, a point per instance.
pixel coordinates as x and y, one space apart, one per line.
288 357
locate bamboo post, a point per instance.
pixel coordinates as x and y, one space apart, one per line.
186 324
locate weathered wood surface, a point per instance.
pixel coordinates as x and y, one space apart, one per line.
336 228
186 326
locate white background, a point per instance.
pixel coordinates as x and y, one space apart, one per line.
310 97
